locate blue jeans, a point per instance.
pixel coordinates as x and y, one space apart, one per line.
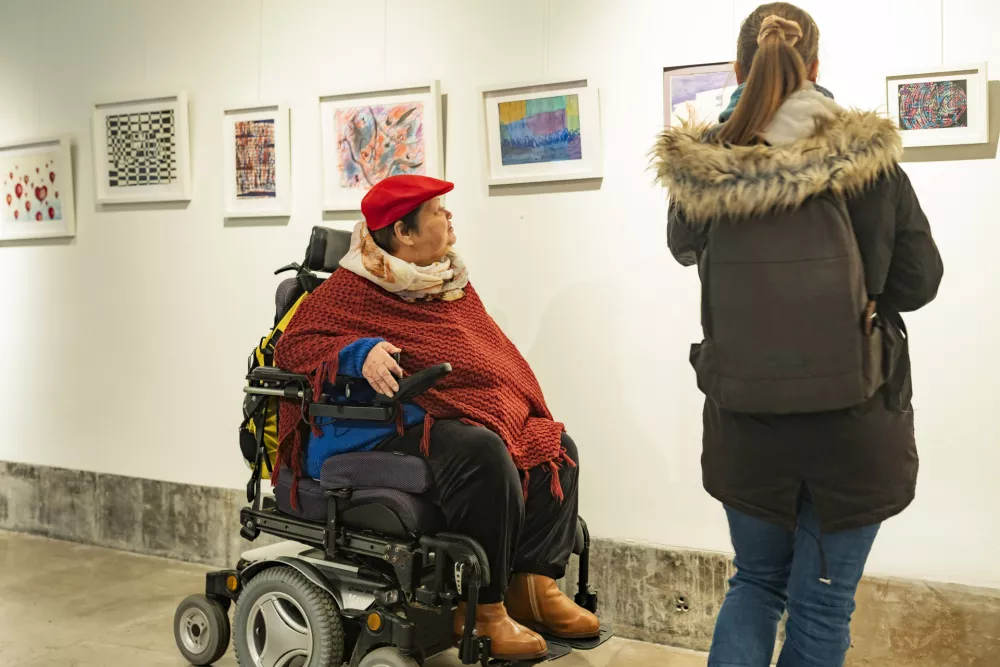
778 570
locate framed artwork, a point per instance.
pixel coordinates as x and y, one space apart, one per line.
142 151
257 167
37 191
543 132
367 137
940 106
697 93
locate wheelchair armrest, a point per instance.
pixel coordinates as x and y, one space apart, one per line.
270 381
272 375
413 385
382 408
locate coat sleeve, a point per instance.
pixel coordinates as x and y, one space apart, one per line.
686 241
916 269
902 264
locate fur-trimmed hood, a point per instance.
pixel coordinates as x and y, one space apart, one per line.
845 153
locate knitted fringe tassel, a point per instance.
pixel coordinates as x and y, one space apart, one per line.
425 441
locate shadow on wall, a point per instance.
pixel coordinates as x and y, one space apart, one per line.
262 221
342 216
553 187
142 206
986 151
66 240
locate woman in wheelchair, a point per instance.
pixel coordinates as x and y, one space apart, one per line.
505 473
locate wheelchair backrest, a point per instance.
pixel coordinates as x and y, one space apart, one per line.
326 248
323 254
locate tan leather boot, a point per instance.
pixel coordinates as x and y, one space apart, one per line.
508 640
537 602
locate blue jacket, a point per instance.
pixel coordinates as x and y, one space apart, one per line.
339 436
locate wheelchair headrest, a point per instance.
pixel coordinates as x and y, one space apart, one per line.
326 248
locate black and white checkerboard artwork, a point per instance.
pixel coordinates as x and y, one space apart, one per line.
142 149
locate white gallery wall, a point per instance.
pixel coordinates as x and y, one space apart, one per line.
124 350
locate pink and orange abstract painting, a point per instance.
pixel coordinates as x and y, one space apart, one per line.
376 141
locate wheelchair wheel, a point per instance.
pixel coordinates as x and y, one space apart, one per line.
388 657
284 620
201 630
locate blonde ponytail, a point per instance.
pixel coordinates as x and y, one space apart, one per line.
777 69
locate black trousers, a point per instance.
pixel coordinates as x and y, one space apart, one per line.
480 492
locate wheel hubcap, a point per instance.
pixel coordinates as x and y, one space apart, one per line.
278 633
195 632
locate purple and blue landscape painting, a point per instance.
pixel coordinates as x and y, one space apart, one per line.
540 130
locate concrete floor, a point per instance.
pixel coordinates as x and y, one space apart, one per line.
70 605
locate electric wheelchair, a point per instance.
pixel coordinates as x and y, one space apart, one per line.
367 575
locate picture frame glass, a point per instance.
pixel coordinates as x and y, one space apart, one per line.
36 200
256 162
939 108
367 137
142 151
697 93
543 132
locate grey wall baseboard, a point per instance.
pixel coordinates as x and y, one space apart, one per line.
666 596
193 523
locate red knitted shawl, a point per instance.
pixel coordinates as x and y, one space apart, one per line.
491 384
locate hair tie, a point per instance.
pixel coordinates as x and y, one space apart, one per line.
789 31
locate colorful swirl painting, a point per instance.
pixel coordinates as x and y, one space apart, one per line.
933 105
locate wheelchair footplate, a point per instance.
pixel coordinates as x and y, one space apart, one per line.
580 644
556 651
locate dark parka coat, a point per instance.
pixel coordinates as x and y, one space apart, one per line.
859 465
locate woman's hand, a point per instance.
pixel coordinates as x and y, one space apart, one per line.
379 369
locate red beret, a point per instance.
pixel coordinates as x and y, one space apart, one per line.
396 196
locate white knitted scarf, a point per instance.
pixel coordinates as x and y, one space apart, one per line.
441 281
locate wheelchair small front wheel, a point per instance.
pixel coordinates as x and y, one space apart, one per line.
388 657
283 620
201 630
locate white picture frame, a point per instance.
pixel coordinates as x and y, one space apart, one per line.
348 175
268 193
38 195
151 156
948 89
561 156
704 91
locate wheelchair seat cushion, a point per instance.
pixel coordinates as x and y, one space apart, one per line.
376 470
312 503
418 515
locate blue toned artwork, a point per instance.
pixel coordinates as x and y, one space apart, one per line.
540 130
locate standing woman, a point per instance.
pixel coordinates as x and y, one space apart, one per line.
810 242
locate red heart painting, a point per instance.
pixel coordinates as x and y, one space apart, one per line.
41 192
18 190
27 205
52 177
17 214
38 216
52 213
25 180
57 194
9 199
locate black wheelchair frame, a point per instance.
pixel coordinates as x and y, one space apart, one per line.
411 583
